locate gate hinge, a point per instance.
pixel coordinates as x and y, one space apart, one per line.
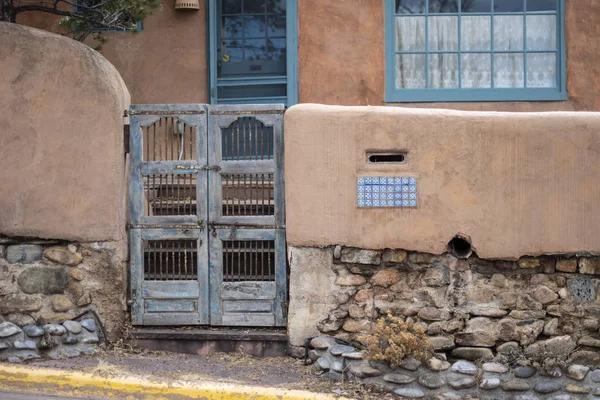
215 168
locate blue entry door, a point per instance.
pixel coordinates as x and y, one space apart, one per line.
253 51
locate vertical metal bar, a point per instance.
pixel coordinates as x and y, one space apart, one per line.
245 137
262 143
269 256
237 139
154 191
239 260
185 257
255 251
262 259
245 260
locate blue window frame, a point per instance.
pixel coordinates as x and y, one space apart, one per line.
475 50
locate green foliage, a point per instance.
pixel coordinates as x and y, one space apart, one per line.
393 340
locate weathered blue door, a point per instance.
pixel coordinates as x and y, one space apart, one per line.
207 216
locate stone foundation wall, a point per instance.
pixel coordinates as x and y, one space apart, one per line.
45 282
437 378
470 308
55 341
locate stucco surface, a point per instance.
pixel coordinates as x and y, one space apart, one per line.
312 292
516 183
341 51
164 63
61 148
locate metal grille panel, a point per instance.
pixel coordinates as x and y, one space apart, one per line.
248 260
169 194
247 139
248 194
169 139
170 260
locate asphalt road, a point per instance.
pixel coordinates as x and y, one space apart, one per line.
27 396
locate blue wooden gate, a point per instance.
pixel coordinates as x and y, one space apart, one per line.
207 215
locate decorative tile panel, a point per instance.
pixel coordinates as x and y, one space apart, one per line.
379 191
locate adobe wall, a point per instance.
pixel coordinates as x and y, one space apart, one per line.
517 184
165 63
342 57
62 151
63 242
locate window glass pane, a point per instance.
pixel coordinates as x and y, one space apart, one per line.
254 26
256 49
541 32
410 71
276 48
233 49
232 27
254 6
472 6
443 6
508 32
443 33
508 5
231 6
410 6
508 70
276 6
276 25
541 70
476 32
476 71
443 71
410 33
541 5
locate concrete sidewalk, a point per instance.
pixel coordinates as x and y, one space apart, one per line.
29 379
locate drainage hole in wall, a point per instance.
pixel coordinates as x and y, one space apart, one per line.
460 246
386 158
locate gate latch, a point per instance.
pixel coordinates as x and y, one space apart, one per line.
215 168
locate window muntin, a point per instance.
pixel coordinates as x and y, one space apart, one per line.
495 49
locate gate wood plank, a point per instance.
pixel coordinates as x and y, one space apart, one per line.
170 233
154 306
170 289
280 306
246 234
233 306
169 167
215 279
137 276
172 318
136 184
279 192
171 220
248 167
248 290
242 319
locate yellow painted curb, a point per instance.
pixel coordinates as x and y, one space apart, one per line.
77 384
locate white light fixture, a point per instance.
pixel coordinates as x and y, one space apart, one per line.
187 4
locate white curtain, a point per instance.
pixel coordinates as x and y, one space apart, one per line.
476 35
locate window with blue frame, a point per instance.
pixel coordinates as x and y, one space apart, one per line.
475 50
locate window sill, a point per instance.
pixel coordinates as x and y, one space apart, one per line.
473 95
